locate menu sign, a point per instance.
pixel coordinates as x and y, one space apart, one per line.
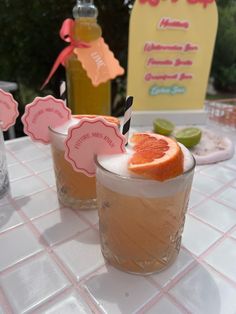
171 44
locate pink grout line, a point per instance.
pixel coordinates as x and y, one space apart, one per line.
43 306
218 180
213 197
191 209
205 223
164 290
222 202
150 304
89 300
22 262
219 190
93 226
229 280
178 304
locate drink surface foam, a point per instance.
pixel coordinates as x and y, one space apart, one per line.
120 180
58 134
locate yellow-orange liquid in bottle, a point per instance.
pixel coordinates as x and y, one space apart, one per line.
83 97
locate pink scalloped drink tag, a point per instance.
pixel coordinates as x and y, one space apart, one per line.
43 113
91 137
8 110
99 62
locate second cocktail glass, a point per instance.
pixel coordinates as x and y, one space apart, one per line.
75 189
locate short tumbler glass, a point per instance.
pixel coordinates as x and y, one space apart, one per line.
74 189
141 221
4 179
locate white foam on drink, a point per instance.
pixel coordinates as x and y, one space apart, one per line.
58 134
135 185
63 129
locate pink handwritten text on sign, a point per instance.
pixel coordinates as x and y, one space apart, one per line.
154 3
43 113
8 110
89 138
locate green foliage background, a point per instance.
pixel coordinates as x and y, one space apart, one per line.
30 43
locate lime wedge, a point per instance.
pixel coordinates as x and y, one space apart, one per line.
162 126
189 137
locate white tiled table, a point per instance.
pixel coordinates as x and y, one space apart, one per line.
50 259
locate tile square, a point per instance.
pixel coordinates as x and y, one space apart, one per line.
231 163
9 218
234 184
216 214
206 185
182 262
16 145
11 160
69 304
82 255
25 150
18 171
228 197
118 292
221 174
39 204
26 186
223 258
40 165
59 226
195 198
31 284
199 168
90 215
48 177
44 147
164 306
204 291
4 200
197 236
17 245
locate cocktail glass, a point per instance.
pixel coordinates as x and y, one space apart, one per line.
141 220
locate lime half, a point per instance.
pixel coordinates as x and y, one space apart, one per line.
162 126
189 137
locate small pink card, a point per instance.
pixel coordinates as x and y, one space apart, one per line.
8 110
99 62
91 137
43 113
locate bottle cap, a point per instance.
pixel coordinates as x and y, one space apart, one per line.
85 8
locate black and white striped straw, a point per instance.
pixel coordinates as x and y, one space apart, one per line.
127 117
63 94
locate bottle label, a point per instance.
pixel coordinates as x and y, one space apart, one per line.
99 62
90 138
43 113
8 110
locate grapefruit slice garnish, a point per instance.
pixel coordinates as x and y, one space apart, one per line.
156 156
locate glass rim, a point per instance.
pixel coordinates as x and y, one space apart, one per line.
77 116
56 132
143 178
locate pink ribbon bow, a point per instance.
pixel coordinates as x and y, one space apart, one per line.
66 35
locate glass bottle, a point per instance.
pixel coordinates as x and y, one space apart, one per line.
83 97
